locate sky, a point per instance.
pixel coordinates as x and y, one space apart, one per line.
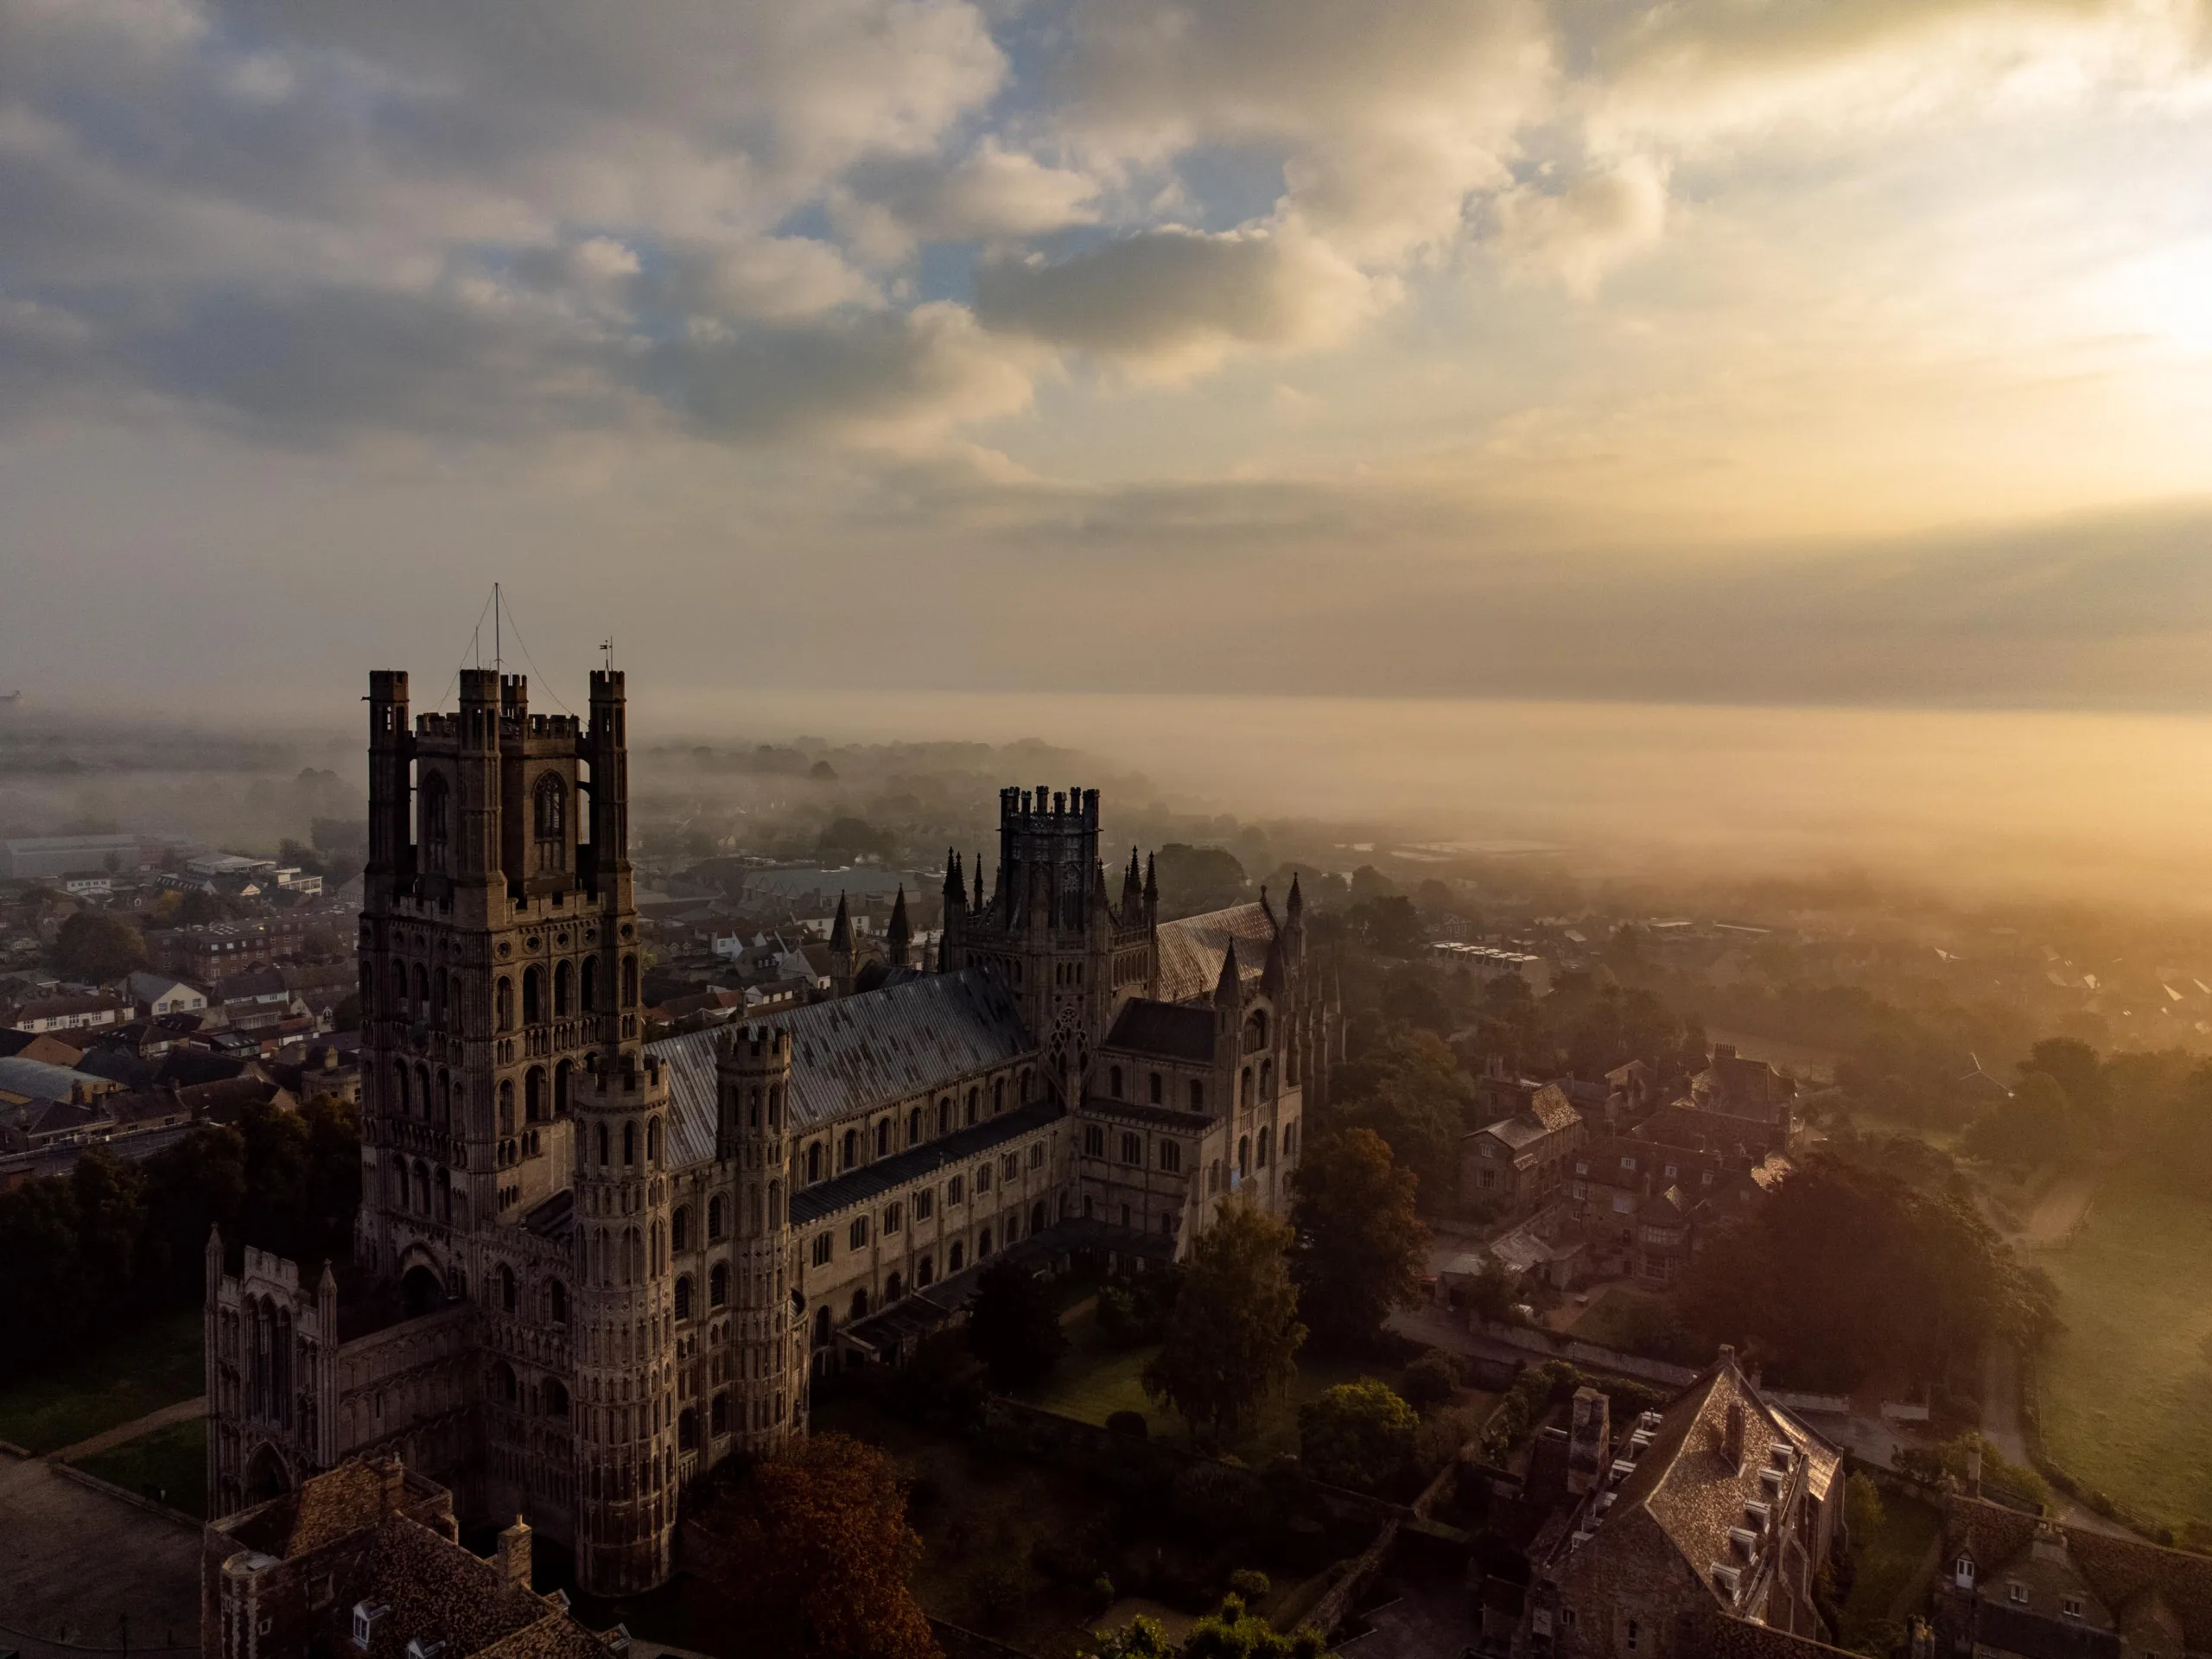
1767 352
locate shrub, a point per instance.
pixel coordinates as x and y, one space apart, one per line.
1130 1423
1356 1435
1430 1381
1251 1584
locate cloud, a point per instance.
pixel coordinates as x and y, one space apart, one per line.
1172 300
1575 235
991 193
895 378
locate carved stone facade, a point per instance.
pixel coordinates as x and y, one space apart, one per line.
586 1269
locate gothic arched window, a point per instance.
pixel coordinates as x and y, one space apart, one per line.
565 986
533 995
552 815
437 828
589 1002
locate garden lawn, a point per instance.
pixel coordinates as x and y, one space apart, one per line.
1611 1320
168 1464
2126 1388
155 1364
1885 1564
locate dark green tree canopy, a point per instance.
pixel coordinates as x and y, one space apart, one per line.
1013 1327
1233 1337
95 947
1361 1248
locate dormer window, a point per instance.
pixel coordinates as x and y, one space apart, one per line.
2017 1593
1962 1572
422 1647
368 1615
2070 1607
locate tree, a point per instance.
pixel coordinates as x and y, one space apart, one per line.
1847 1269
1356 1435
2073 1065
95 947
1013 1327
812 1555
1231 1631
1196 879
1431 1380
1360 1248
42 1292
1234 1334
1389 924
1410 1090
2037 1125
1235 1632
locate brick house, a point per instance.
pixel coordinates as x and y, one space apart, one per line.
1721 1509
1520 1160
2015 1587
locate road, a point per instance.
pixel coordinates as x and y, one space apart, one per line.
2000 1421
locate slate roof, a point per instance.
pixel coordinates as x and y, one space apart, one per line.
889 1174
36 1080
1191 950
2120 1570
854 1053
1172 1031
1686 1484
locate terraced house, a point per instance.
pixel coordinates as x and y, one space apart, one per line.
588 1266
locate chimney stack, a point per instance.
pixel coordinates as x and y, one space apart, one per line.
513 1556
1588 1440
1731 1438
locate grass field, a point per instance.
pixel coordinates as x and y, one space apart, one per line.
154 1365
1612 1321
2126 1389
168 1463
1885 1561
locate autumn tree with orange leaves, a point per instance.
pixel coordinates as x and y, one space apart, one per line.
810 1555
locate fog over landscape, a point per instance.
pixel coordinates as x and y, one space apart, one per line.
1400 845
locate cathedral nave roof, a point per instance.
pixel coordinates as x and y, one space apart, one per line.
856 1053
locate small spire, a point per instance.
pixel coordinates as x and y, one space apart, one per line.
898 936
1272 977
1295 905
841 931
1229 990
956 888
979 878
1151 881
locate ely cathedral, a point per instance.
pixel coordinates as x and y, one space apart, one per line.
587 1267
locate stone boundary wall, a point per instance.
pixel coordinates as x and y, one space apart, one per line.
957 1643
1329 1613
1557 1345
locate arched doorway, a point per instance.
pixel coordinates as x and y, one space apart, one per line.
266 1475
420 1290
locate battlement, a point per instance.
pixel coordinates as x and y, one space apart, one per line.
1025 810
763 1046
